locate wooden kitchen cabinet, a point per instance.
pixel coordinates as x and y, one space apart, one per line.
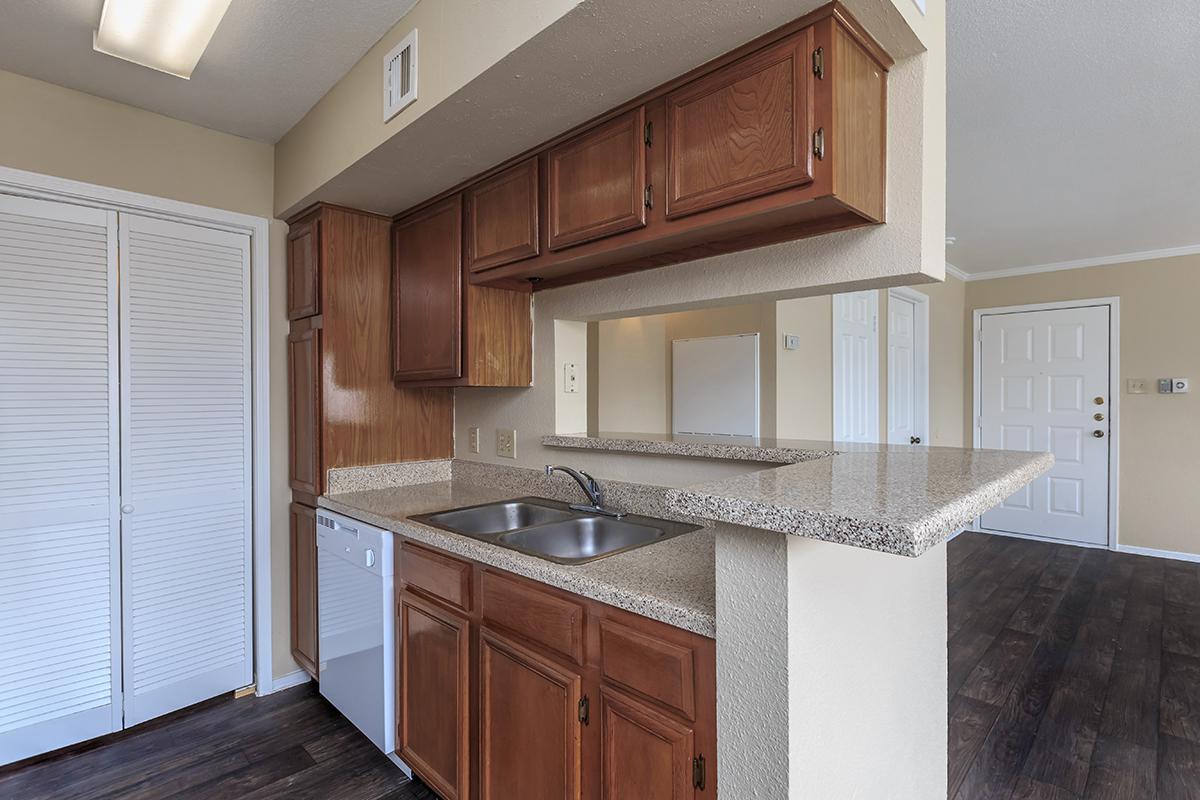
433 704
597 181
502 217
780 139
448 332
304 406
303 273
531 714
303 563
565 697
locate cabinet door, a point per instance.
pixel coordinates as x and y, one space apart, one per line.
597 182
427 288
304 586
529 724
434 679
304 405
304 273
742 130
502 217
644 753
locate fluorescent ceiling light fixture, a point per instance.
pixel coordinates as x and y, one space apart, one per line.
166 35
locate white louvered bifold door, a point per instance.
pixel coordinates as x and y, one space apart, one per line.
60 647
185 464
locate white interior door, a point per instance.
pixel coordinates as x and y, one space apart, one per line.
60 679
186 464
856 367
1044 386
907 368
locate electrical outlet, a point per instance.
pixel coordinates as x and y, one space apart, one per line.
570 379
473 439
1135 385
506 442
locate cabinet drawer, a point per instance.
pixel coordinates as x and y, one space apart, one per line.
436 575
656 668
554 622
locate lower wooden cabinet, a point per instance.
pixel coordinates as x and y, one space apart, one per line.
509 688
432 730
304 586
530 721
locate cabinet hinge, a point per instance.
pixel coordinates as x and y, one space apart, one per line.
584 709
698 772
649 196
819 63
648 133
819 144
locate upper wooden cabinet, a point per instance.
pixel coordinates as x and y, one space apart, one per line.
597 182
502 217
448 333
741 131
780 139
340 358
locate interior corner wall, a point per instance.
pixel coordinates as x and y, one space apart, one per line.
1159 434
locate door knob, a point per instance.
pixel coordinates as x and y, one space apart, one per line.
1098 434
1098 417
914 440
127 509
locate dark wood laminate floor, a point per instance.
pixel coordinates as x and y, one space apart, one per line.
291 744
1074 673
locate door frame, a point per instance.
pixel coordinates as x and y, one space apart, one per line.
873 368
1114 398
22 183
920 302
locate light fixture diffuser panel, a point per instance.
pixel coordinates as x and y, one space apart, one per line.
166 35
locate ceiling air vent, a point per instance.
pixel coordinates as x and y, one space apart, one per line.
400 76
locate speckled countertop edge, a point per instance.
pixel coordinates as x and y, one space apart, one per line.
699 447
673 581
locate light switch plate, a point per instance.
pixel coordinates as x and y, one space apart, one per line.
506 442
791 341
1135 385
571 378
1180 385
473 439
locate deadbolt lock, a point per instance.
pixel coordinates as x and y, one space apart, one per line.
1098 401
1098 434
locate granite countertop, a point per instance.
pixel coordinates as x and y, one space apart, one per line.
671 581
898 499
736 448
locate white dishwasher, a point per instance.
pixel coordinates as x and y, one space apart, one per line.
356 631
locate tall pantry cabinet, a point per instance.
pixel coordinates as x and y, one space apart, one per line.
344 409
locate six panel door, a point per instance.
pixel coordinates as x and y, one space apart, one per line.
428 292
529 726
433 727
304 586
597 182
304 407
502 217
741 131
644 754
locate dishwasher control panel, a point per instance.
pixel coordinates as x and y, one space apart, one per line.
363 545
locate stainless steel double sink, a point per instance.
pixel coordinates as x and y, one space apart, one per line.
552 530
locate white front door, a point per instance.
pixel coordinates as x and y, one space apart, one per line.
1044 386
907 366
856 367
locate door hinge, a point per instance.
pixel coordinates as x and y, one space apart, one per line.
819 63
648 133
649 196
819 144
698 772
979 335
584 709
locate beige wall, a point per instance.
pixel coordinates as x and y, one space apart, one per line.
68 134
804 377
1160 337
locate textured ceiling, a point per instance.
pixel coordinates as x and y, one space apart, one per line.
1074 130
268 63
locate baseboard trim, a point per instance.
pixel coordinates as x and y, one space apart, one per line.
954 535
1033 537
297 678
1150 551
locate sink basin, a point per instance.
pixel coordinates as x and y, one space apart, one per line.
552 530
493 518
581 539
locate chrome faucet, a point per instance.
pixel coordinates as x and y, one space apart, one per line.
591 487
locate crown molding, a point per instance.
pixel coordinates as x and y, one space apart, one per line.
1099 261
